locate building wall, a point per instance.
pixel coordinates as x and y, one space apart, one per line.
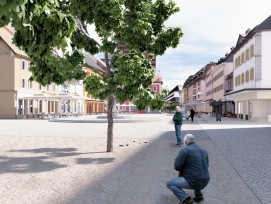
253 71
21 74
184 98
228 84
262 108
91 105
202 89
243 68
266 59
218 82
208 95
156 87
7 93
6 67
7 105
17 93
190 93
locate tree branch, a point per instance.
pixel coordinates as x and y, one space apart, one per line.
83 27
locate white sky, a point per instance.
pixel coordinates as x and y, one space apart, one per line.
211 28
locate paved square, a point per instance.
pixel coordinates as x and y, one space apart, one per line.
66 161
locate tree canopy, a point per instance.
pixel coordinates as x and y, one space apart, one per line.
45 27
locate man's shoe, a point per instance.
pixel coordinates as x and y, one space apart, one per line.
179 144
198 198
188 200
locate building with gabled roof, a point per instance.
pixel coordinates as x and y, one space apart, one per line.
252 67
194 90
22 98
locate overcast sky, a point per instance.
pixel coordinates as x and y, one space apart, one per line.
211 28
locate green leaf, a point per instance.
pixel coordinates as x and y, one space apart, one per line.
3 2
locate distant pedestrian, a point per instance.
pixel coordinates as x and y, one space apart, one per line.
192 114
178 119
192 163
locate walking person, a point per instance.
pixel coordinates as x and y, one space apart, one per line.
178 118
192 163
192 114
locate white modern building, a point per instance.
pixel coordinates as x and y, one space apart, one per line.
252 70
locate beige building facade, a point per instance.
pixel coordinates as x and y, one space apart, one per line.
21 98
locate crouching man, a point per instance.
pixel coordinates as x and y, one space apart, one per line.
192 163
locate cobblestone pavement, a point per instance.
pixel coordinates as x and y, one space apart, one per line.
44 162
246 145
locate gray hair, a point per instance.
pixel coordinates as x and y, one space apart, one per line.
189 138
178 108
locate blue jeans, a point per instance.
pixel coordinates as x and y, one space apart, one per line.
176 185
178 134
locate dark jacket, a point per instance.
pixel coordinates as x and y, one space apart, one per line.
192 163
178 118
192 113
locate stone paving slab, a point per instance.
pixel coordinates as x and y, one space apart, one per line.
246 145
44 162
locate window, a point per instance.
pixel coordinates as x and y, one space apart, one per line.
24 65
247 54
154 88
247 76
229 85
238 61
242 58
23 85
30 84
251 51
48 87
54 87
242 78
236 78
40 87
251 73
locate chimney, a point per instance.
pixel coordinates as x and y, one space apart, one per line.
247 31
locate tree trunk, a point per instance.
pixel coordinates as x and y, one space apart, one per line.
110 105
110 123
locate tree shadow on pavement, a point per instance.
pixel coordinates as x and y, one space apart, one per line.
27 165
88 161
44 160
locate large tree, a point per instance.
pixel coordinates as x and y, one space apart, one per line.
44 26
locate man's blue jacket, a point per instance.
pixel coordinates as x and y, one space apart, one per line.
192 163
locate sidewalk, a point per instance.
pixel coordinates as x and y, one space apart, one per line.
65 162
